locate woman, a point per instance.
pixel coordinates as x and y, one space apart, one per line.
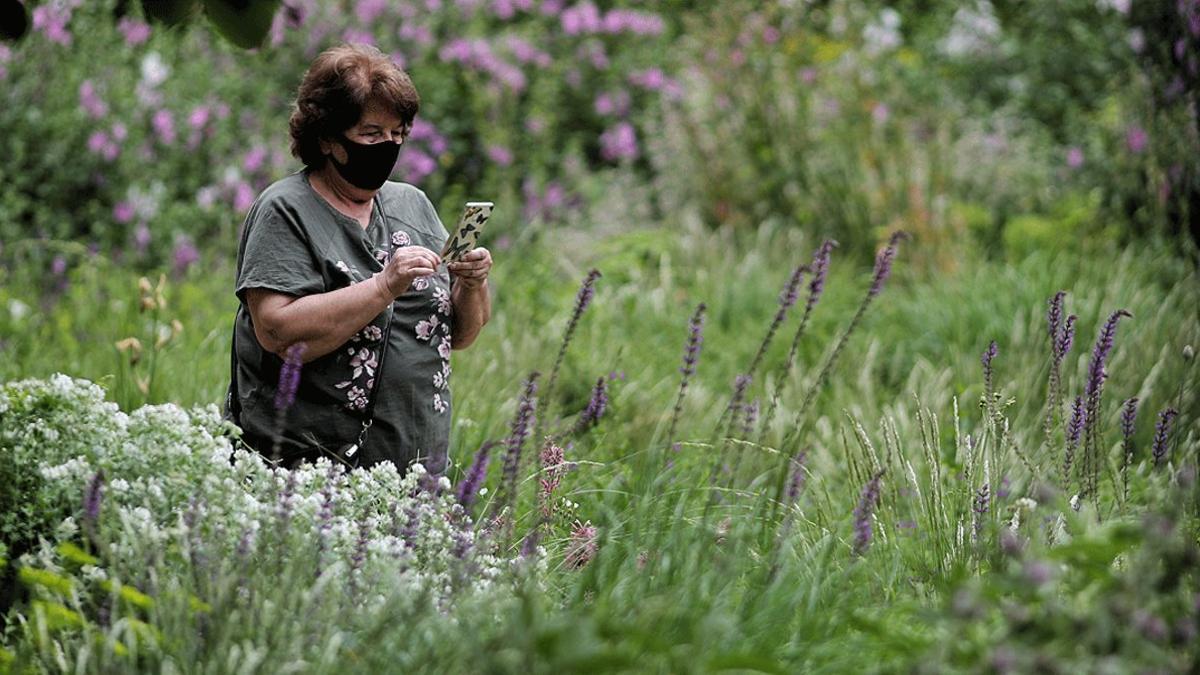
339 268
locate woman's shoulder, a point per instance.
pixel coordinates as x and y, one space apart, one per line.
289 189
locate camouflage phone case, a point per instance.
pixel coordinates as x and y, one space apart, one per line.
467 233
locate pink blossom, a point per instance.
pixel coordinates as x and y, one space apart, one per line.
1136 139
808 75
613 104
369 10
185 255
500 155
503 9
556 195
253 161
595 54
119 132
417 165
581 18
164 126
135 32
1074 157
97 141
535 125
243 197
91 101
880 113
141 238
123 212
619 142
770 35
358 36
551 7
199 117
419 34
627 20
52 19
651 78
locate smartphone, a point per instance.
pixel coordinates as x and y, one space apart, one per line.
466 234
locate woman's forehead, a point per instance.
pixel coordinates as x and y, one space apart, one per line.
375 112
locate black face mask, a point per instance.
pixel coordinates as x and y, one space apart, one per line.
367 166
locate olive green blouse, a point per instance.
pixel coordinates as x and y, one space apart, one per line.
295 242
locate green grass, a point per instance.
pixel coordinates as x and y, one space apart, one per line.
698 574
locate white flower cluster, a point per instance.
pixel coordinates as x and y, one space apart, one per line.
171 483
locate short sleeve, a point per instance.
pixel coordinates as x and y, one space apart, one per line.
278 254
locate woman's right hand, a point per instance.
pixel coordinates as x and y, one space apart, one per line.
406 264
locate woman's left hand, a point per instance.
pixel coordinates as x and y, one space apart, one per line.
473 268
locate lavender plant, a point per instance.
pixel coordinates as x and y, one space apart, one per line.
1162 431
583 298
469 486
819 268
1074 431
883 269
596 407
863 514
691 357
1093 391
1128 417
285 393
523 419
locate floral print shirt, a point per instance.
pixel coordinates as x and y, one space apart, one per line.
295 242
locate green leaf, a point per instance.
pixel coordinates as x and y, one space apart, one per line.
245 23
169 12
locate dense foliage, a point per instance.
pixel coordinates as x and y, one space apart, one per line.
702 431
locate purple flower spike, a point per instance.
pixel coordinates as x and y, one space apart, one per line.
1162 431
1078 419
990 353
691 352
1066 339
596 405
523 420
1054 320
586 292
750 410
468 489
691 356
884 260
862 514
1104 345
93 497
796 484
791 291
1128 416
820 268
289 376
982 503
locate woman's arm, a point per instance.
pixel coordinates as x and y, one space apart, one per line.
469 297
325 321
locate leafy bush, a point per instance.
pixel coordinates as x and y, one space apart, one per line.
157 519
518 101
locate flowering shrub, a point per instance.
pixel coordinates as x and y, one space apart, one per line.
518 97
154 517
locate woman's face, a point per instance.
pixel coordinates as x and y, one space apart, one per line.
377 124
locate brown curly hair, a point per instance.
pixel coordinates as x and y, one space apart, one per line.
335 90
